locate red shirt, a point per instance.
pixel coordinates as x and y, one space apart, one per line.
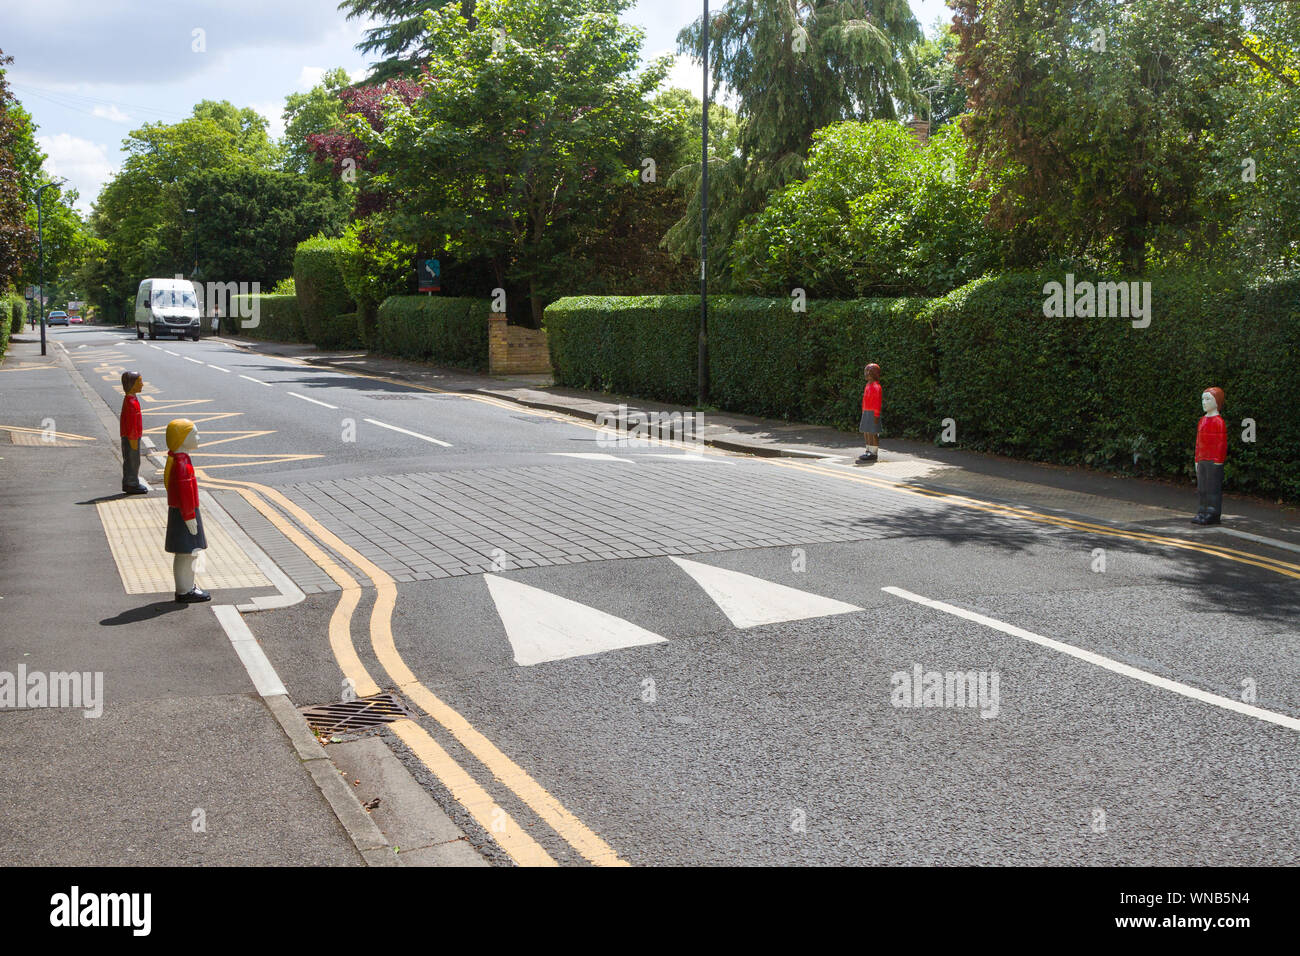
183 489
871 397
132 423
1212 439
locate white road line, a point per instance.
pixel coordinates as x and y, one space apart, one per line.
218 368
170 352
590 456
1164 683
1259 538
313 401
546 627
394 428
749 601
250 652
195 361
257 380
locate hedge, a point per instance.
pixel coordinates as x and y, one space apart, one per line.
764 357
432 329
322 295
13 312
278 318
1100 392
1093 391
339 332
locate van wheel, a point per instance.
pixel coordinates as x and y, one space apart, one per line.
153 334
138 333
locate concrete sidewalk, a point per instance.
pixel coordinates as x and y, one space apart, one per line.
186 764
1078 492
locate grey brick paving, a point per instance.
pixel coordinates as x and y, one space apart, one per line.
428 525
300 568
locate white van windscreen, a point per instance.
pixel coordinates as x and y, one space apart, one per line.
174 299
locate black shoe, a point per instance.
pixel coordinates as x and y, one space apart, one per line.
140 489
1198 519
1211 518
194 596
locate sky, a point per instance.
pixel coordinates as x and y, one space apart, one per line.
90 73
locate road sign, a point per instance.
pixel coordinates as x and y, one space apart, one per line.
429 273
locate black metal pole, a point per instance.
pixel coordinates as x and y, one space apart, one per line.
703 370
40 255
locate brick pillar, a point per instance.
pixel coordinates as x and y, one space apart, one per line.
514 350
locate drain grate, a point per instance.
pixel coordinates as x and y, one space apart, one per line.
353 716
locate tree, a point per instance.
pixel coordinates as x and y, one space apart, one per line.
936 67
318 111
878 215
795 66
400 39
250 220
524 128
1112 120
141 213
17 240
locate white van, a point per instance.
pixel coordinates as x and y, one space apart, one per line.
167 307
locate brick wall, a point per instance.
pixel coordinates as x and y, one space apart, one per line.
514 350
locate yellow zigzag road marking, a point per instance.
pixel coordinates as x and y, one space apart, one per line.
42 431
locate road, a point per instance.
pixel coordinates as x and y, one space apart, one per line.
650 656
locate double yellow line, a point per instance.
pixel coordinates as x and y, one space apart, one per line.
1010 511
512 838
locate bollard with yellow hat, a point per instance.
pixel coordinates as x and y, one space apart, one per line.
184 523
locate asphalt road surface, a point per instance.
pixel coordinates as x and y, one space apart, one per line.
650 656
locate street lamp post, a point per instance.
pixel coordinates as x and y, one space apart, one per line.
40 253
196 241
703 369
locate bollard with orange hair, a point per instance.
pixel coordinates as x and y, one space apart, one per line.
1211 452
184 522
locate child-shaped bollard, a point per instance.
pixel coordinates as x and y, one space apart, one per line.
1211 451
184 523
132 430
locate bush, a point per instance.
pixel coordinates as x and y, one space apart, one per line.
431 329
278 318
339 332
1097 391
322 294
633 345
764 358
13 312
373 269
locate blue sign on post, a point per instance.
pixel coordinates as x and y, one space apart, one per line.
429 273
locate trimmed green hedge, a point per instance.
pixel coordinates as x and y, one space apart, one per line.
279 319
339 332
322 294
1098 391
764 358
1093 391
432 329
13 312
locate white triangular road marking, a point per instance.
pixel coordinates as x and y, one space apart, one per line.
749 601
546 627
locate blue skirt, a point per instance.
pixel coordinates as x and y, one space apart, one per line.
179 539
870 424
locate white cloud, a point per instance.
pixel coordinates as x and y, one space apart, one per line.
111 113
82 163
309 76
274 113
687 73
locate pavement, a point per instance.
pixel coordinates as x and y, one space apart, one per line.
602 652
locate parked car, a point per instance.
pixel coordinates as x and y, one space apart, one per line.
167 307
57 317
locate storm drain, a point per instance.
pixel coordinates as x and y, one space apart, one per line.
355 716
